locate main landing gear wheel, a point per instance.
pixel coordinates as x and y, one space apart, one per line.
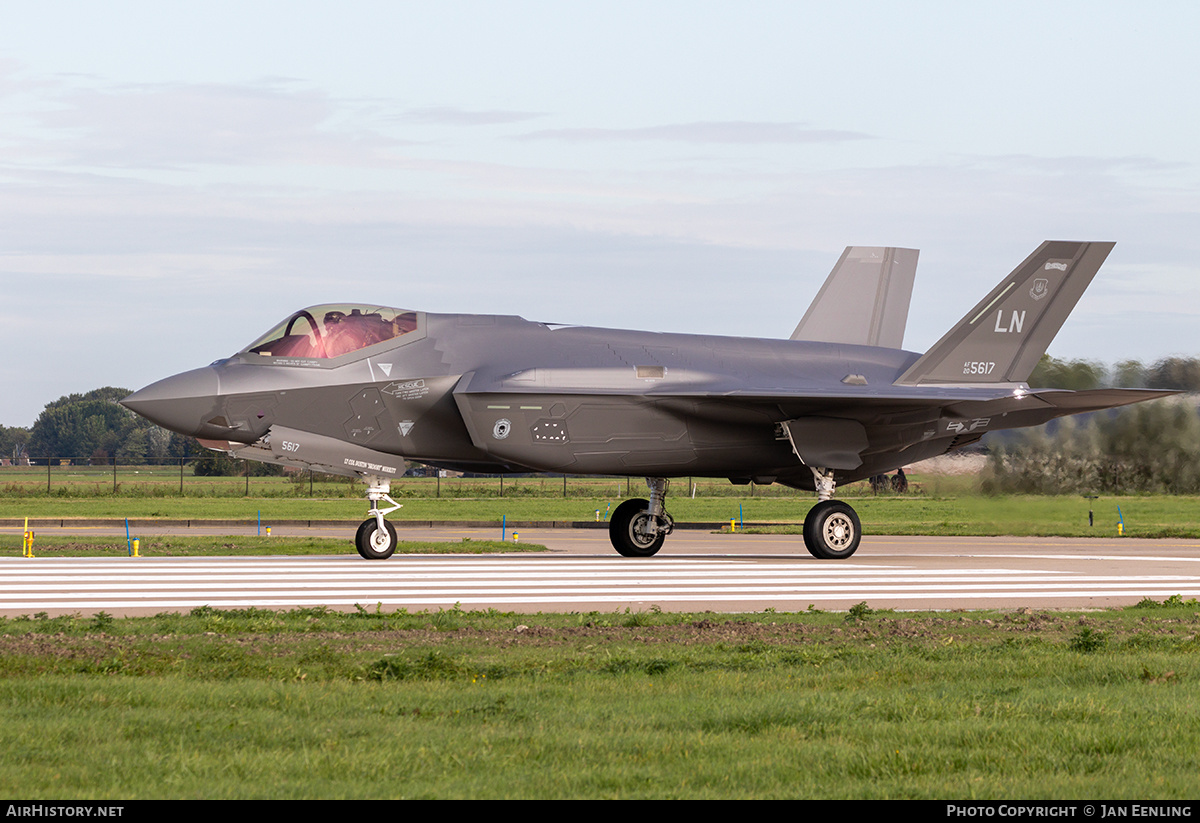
373 544
832 530
627 530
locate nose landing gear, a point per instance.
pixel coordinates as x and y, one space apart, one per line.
376 538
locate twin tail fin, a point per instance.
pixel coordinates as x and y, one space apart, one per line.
1004 336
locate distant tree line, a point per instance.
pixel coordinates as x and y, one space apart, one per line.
1078 375
94 427
1149 447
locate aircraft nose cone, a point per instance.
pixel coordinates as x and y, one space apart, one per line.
181 403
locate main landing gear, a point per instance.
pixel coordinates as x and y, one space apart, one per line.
376 538
831 529
638 527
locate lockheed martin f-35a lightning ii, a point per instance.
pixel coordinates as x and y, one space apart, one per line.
357 389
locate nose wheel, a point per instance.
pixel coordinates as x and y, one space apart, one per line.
373 543
376 538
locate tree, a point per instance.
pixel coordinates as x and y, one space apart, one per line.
208 463
85 428
134 448
1076 375
1150 447
1129 374
93 426
14 442
1175 373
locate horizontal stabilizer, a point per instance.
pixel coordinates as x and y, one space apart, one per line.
1076 402
1004 336
1033 408
864 301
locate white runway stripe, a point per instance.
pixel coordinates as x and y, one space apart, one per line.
595 585
551 583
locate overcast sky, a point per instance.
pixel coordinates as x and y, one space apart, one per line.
177 178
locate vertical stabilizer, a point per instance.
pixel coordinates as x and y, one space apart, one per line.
1004 336
864 301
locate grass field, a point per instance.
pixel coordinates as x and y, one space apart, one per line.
306 704
1144 516
189 546
176 481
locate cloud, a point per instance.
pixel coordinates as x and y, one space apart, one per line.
163 126
732 131
1080 164
14 80
450 116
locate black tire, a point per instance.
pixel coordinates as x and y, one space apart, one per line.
623 533
832 530
373 544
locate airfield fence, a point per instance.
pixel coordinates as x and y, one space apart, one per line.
175 477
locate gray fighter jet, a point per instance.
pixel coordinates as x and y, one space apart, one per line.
356 390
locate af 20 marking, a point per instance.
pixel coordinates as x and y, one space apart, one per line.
978 367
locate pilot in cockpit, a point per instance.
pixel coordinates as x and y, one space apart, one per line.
345 333
336 334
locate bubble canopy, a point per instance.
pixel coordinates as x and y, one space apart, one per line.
334 330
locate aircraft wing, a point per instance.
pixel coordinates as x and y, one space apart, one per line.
848 428
1037 405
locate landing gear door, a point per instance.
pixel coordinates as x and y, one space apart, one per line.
827 442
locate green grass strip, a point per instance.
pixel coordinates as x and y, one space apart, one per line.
189 546
311 703
960 515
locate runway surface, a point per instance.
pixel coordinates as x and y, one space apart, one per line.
695 572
